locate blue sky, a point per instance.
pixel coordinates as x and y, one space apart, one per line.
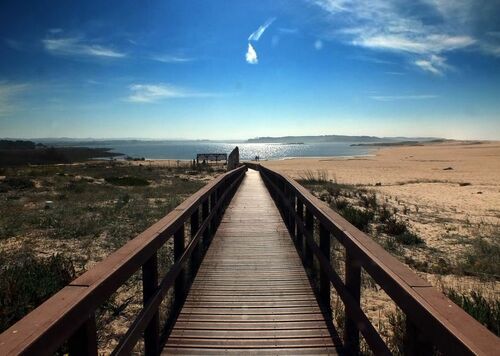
237 69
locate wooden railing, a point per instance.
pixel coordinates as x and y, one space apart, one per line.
69 317
432 320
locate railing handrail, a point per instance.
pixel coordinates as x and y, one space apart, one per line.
48 326
435 316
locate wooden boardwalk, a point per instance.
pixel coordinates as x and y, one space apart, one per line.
251 293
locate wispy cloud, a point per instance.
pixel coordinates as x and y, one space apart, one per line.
170 58
402 97
8 94
255 36
387 25
251 55
78 46
288 31
318 45
150 93
434 64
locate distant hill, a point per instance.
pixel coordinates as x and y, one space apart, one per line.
336 138
15 153
17 145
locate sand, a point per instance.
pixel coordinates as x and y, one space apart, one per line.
448 193
421 175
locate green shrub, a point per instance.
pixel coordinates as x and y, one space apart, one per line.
334 189
487 312
369 201
384 214
397 336
127 181
26 281
481 259
394 227
359 218
77 186
18 183
311 177
409 238
339 204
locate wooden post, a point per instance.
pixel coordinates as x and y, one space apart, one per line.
353 286
284 207
308 258
84 340
204 215
414 343
180 282
213 201
149 286
299 241
196 255
324 281
291 223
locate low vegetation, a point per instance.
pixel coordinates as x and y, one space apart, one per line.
26 281
391 226
58 220
484 310
482 258
362 209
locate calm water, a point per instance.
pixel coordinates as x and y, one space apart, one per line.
188 150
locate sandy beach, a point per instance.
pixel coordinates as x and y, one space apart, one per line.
460 177
449 192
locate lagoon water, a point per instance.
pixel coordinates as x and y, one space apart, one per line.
269 151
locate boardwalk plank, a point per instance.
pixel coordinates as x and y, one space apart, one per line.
251 294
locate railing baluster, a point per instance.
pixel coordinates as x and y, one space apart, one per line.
284 207
84 340
353 286
196 255
324 280
300 237
415 344
204 215
149 286
213 201
180 282
291 223
309 226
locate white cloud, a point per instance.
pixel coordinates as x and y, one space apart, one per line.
318 44
149 93
389 26
8 93
491 48
169 58
402 97
417 44
434 64
255 36
75 46
251 55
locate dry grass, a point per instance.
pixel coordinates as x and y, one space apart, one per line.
96 208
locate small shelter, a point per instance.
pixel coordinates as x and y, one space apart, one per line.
210 157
